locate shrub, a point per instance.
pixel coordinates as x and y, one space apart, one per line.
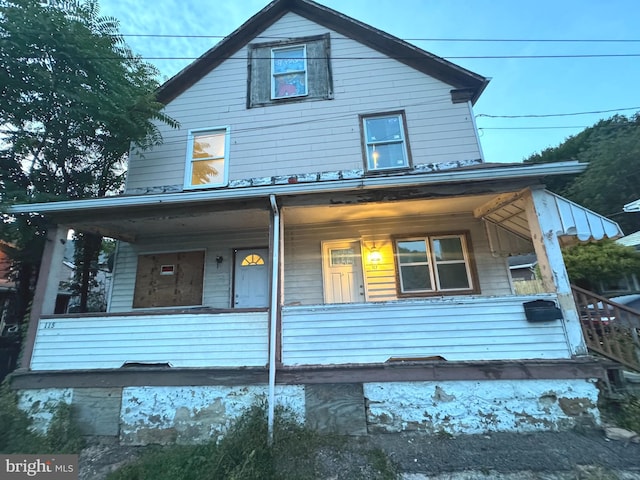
244 453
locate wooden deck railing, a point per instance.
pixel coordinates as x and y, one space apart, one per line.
610 329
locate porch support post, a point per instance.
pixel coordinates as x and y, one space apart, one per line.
44 297
273 313
545 224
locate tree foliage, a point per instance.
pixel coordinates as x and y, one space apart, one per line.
73 98
612 149
604 261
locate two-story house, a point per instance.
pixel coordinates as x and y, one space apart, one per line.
322 230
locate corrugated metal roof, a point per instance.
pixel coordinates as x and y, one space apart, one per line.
583 223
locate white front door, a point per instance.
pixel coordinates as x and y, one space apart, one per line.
342 272
251 287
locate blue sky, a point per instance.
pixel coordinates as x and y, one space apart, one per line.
532 86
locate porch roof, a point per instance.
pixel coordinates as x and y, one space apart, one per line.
126 217
484 172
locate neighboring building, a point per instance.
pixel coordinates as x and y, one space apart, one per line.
523 267
7 286
9 331
322 230
67 301
632 207
629 283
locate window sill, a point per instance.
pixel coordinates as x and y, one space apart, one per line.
387 171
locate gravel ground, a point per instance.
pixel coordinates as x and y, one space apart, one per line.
586 455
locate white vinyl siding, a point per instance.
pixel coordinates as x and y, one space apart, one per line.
456 328
303 265
292 138
217 278
221 340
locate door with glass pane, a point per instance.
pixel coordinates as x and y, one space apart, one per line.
342 272
251 287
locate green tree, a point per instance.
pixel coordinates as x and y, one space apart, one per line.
73 97
590 264
612 149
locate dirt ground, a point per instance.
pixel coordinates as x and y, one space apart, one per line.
418 456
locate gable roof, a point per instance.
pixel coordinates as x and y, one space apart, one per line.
467 85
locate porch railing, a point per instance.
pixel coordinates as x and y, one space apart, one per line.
610 329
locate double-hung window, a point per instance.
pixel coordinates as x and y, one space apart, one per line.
434 264
385 141
207 158
289 72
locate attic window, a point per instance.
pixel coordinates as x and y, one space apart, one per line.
291 70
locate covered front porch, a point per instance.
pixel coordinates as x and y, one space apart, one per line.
368 277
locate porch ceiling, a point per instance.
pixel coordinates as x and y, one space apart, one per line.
163 221
188 221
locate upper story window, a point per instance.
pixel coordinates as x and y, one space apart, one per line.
434 265
385 141
207 158
293 70
289 72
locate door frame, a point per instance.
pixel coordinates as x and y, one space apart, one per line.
324 246
267 260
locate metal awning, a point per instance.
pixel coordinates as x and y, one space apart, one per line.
583 223
574 223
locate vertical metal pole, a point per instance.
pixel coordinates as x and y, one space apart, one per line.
273 320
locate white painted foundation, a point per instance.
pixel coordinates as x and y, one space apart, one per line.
467 407
197 414
186 415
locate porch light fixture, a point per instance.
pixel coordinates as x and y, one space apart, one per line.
375 257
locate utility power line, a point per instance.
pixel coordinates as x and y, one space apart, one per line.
505 40
463 57
485 115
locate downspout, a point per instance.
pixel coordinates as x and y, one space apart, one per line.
475 129
273 318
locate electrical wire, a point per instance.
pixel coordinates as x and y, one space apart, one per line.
485 115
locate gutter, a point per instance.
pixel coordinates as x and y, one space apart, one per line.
366 183
273 317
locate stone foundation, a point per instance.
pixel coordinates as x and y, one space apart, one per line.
467 407
166 415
